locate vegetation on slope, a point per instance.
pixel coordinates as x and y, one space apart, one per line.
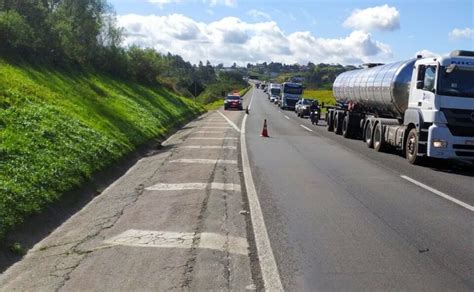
58 127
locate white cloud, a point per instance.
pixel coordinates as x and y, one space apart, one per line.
382 18
230 3
230 40
257 14
427 54
464 33
162 3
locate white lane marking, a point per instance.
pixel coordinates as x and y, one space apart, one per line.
214 127
279 111
306 128
169 239
251 98
268 266
286 117
212 138
230 122
439 193
208 132
204 161
208 147
194 186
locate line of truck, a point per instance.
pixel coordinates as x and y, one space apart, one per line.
422 106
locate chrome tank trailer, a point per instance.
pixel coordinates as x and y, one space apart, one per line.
382 90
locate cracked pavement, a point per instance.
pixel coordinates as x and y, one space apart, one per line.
133 238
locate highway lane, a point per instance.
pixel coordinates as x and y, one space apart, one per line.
339 216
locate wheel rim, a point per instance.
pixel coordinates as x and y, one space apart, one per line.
377 135
411 145
368 133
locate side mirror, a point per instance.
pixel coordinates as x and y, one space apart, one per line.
419 84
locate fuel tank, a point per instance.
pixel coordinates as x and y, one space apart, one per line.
382 90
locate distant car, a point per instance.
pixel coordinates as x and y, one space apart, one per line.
233 101
297 105
273 98
303 107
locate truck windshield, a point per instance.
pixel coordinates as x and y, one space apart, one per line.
457 83
275 91
293 90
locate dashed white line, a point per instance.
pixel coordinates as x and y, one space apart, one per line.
208 132
268 266
286 117
439 193
230 122
194 186
208 147
170 239
204 161
212 138
306 128
214 127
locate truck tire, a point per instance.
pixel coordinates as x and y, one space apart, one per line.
338 124
378 137
346 133
330 122
411 148
368 135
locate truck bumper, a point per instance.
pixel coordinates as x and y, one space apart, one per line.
455 147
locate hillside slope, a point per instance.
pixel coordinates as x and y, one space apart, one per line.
58 127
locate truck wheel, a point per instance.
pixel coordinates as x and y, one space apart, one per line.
346 133
368 135
379 141
411 148
330 122
338 124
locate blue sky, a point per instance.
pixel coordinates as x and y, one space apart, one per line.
337 31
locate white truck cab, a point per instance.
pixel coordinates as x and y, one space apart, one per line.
444 94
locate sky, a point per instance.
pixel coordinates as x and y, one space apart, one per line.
319 31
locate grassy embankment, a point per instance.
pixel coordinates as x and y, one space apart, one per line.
59 127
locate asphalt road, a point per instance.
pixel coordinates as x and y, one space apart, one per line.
341 217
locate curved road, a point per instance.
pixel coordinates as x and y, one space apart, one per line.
341 217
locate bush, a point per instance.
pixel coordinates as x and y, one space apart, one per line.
15 33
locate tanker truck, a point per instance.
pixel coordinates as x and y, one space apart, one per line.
422 106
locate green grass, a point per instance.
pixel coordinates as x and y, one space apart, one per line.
244 91
58 127
214 105
321 95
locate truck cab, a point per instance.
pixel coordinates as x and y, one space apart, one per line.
290 94
441 106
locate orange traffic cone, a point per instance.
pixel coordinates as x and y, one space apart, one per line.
264 131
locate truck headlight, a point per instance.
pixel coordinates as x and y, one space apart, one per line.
439 143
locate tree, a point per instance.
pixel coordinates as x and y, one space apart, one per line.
15 33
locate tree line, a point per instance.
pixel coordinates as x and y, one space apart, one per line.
85 33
